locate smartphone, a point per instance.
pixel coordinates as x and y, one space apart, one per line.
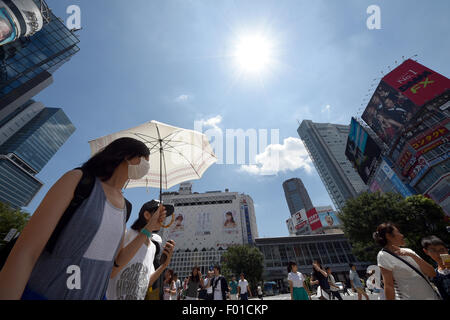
445 258
163 255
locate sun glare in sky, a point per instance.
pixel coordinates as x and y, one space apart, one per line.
253 53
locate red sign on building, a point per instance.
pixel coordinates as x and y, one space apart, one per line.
313 219
417 82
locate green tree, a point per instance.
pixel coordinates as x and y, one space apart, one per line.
415 216
11 219
243 259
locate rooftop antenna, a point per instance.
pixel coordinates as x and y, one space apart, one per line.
45 11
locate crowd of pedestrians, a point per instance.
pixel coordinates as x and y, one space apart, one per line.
67 235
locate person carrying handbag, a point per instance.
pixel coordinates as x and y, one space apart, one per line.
405 274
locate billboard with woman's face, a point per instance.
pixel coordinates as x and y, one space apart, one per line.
177 228
329 219
229 223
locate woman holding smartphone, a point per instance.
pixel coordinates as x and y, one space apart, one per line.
90 246
132 281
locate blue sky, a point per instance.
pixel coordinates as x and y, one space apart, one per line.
143 60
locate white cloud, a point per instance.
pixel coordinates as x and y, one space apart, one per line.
289 156
212 122
183 98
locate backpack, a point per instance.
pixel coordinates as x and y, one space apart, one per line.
81 193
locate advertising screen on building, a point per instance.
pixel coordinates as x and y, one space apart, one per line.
417 82
386 180
387 112
8 31
362 151
206 226
19 18
313 219
300 220
328 217
420 145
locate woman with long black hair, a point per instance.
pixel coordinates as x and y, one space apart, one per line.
90 247
193 284
320 277
169 285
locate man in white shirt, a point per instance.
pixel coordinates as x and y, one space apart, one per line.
220 287
244 288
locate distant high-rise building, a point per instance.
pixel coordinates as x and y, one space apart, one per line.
27 64
297 196
28 150
326 143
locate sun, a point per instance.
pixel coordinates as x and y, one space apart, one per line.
253 53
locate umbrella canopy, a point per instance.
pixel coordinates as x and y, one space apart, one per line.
176 155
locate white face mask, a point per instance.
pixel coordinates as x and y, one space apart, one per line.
138 171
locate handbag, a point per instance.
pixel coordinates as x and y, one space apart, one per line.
417 271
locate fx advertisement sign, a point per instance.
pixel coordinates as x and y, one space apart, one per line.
417 82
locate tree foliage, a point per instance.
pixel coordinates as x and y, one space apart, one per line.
11 219
244 259
416 217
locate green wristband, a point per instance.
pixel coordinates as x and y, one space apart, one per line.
147 233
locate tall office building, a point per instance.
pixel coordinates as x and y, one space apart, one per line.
30 134
28 150
206 224
27 64
326 143
298 199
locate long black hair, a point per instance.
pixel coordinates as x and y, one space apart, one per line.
231 215
104 163
197 277
315 272
290 265
380 235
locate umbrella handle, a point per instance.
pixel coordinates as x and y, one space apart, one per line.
167 226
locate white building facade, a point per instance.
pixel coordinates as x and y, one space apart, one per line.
205 225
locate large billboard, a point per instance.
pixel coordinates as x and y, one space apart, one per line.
362 151
421 144
400 95
207 226
425 166
19 18
328 217
300 221
417 82
388 111
386 180
313 219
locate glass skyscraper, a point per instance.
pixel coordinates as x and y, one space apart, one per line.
326 144
297 196
26 64
31 134
18 186
38 141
